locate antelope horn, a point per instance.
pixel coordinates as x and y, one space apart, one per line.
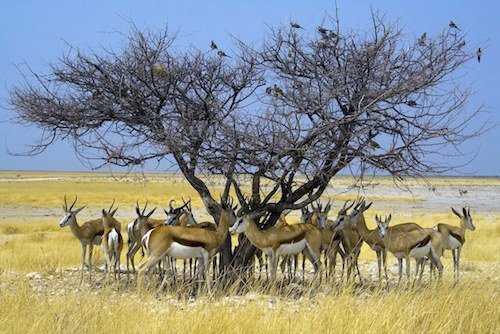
111 205
65 204
72 205
145 207
170 204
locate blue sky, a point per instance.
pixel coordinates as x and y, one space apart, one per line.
35 32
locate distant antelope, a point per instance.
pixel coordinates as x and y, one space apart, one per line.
112 243
89 233
454 237
418 244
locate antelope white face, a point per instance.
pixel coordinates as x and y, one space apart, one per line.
68 218
239 226
468 221
383 225
172 218
339 223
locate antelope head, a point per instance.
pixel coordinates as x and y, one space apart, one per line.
107 216
342 216
306 214
465 218
173 214
69 214
322 214
383 225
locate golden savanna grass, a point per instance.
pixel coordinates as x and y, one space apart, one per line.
31 241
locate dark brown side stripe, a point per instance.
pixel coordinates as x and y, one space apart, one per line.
295 239
421 243
189 243
457 236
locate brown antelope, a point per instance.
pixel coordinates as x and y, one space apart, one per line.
331 238
112 243
418 244
89 233
454 237
288 240
350 238
136 230
356 219
180 242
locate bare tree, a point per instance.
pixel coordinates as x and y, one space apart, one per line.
284 117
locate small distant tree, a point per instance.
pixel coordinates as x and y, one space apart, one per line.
284 117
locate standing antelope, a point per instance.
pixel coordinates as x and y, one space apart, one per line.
331 238
288 240
351 239
454 237
418 244
180 242
112 242
89 233
136 231
356 219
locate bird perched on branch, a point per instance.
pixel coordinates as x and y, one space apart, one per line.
295 25
322 30
479 53
453 25
411 103
159 69
422 39
277 90
222 54
213 46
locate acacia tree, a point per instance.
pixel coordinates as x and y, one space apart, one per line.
287 116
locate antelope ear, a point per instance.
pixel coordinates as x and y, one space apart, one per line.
114 211
468 211
138 211
465 212
368 206
103 212
455 212
389 218
376 218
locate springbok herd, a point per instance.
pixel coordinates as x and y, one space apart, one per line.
179 236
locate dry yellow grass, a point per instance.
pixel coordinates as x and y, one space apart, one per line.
37 244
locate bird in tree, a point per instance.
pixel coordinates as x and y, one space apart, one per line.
277 90
422 39
295 25
479 53
222 54
453 25
461 45
322 30
411 103
269 90
159 69
213 46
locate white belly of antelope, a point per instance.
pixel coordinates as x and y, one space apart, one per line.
292 248
180 251
453 243
421 252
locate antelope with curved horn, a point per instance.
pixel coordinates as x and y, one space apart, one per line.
288 240
454 237
112 242
418 244
180 242
350 238
330 238
89 233
357 220
136 231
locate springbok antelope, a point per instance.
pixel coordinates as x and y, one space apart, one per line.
288 240
418 244
454 237
112 243
351 239
89 233
180 242
174 214
136 230
357 220
331 238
